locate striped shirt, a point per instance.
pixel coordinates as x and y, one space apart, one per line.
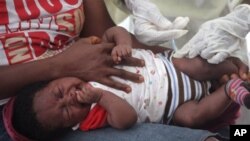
182 88
163 90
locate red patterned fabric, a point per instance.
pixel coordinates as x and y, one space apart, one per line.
95 119
32 30
7 116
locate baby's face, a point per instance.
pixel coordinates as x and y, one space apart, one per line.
56 105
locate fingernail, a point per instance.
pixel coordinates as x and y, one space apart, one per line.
128 89
143 63
141 78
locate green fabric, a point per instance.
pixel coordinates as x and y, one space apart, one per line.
197 9
117 10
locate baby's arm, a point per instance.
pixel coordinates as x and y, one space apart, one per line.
120 114
123 41
201 70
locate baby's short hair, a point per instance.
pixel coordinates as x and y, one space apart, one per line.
24 117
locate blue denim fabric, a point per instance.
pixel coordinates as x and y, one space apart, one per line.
3 134
140 132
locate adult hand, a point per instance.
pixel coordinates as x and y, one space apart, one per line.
151 27
220 38
94 63
242 73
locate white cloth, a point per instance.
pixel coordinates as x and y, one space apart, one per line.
151 27
248 48
220 38
199 11
148 98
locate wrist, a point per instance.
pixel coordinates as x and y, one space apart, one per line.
177 62
100 97
54 68
103 98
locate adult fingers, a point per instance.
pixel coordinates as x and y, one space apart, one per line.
180 53
207 53
110 60
131 61
180 22
145 10
171 34
150 34
115 84
225 78
243 69
218 57
126 75
192 48
105 47
154 36
196 44
158 19
108 77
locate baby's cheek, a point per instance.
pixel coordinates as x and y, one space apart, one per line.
80 114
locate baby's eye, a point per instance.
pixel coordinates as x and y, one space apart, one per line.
59 93
79 87
66 113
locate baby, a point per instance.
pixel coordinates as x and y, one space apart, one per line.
167 96
53 109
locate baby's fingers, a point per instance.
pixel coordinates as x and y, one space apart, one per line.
115 56
129 51
125 52
80 97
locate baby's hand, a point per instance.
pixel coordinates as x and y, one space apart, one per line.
88 94
121 51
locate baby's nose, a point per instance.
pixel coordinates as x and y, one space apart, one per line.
72 98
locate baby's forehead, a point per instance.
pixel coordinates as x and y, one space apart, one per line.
56 83
49 87
47 110
44 98
53 83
